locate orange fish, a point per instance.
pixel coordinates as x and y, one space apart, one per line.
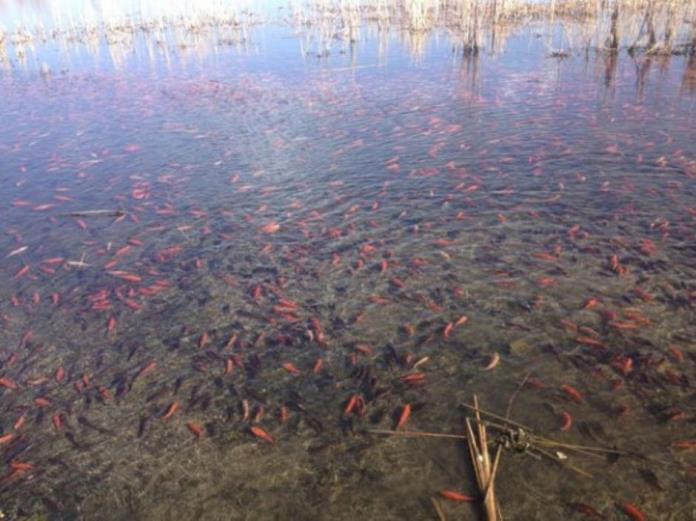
453 495
405 414
291 368
271 227
170 410
413 378
567 421
573 393
260 433
195 429
124 275
591 303
685 444
351 404
461 321
22 272
20 422
6 438
7 382
632 511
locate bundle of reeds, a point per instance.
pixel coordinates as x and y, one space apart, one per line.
485 470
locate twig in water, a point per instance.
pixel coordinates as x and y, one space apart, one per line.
513 396
416 434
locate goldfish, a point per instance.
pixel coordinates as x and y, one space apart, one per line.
291 368
271 227
173 407
23 271
195 429
632 511
7 382
124 275
453 495
567 421
573 393
403 418
318 364
685 444
42 401
493 363
261 434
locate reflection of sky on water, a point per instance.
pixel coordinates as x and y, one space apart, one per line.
66 13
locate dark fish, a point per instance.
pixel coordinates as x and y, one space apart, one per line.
650 478
177 385
585 509
82 420
70 436
142 425
157 395
314 423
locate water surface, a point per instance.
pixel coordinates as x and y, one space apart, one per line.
247 231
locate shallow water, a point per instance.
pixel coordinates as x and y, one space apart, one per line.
263 208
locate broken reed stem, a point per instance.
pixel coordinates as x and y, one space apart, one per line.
418 434
440 513
485 475
513 396
498 417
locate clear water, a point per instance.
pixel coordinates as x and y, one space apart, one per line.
259 204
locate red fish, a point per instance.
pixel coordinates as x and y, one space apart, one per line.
405 414
271 227
573 393
23 271
453 495
170 410
7 382
261 434
124 275
291 368
20 422
195 429
567 421
685 444
632 511
351 404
